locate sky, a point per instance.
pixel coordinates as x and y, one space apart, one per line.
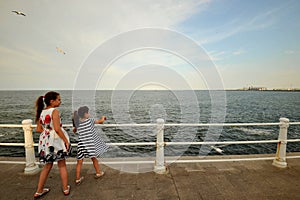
240 44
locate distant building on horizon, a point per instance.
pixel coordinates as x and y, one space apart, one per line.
255 88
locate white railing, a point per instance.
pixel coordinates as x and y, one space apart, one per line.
159 164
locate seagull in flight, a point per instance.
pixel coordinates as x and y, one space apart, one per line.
19 13
59 50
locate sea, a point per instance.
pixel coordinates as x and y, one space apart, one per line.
175 107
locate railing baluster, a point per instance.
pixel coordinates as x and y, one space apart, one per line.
280 160
31 167
160 167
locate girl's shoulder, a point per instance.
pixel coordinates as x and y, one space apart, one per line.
91 120
88 120
48 111
86 124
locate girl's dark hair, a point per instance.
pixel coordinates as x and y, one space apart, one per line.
79 114
41 101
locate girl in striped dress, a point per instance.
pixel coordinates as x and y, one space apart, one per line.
90 145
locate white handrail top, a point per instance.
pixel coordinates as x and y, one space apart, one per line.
154 124
11 126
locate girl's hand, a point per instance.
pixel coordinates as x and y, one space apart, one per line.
67 144
101 120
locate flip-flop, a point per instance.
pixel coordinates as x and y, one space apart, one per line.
79 181
99 175
38 195
67 191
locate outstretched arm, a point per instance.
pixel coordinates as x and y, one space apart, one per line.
101 120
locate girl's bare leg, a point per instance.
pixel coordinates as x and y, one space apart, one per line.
78 168
96 165
43 176
63 173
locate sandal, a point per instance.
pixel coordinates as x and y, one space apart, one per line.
79 181
38 195
99 175
67 191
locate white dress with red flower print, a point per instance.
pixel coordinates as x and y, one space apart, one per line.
51 147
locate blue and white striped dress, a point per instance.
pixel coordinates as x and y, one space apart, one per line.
90 144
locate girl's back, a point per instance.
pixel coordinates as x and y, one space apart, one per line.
90 144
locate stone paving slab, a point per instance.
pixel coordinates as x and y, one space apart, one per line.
185 181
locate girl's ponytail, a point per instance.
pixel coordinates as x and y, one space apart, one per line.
75 119
39 104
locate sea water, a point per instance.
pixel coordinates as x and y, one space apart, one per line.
144 106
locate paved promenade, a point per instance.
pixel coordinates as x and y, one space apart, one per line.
188 181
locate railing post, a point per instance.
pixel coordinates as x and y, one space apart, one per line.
280 160
31 167
160 167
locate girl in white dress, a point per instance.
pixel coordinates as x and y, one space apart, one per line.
54 143
90 145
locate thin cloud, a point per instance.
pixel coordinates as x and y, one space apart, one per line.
221 55
236 26
27 54
290 52
238 52
215 56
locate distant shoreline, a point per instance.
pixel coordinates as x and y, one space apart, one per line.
243 90
269 90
